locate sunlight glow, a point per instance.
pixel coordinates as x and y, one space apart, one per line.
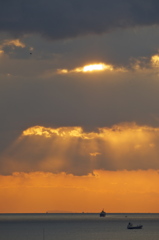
62 71
1 52
123 142
88 68
97 67
49 132
155 60
124 146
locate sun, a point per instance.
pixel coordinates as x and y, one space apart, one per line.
88 68
97 67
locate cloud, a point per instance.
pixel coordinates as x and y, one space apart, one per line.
65 19
118 49
14 42
94 67
71 150
10 44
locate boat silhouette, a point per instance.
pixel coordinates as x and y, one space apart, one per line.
131 226
102 213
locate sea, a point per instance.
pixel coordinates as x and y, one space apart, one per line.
78 226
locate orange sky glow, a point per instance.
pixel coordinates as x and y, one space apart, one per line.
120 191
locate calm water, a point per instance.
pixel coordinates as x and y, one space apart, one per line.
77 227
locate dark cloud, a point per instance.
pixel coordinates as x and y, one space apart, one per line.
59 19
119 48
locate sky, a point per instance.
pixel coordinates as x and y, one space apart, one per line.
79 94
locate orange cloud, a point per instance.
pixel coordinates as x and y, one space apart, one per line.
14 42
155 60
71 150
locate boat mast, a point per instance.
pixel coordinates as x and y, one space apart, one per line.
43 233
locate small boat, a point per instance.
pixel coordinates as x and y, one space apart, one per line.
131 226
102 214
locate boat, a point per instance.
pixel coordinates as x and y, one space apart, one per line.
102 213
131 226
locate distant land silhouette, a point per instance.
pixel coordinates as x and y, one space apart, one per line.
58 211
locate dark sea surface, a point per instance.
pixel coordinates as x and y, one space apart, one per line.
80 226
